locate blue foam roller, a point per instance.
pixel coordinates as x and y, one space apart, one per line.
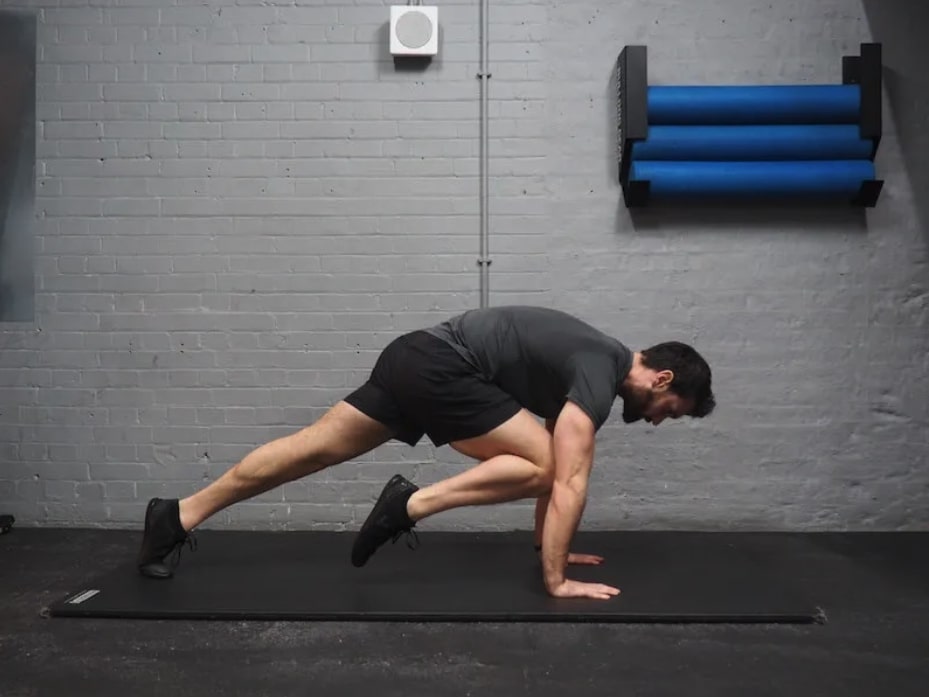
701 179
754 104
841 142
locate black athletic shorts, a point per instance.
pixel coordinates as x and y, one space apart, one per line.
421 385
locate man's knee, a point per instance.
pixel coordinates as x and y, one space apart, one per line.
341 434
316 447
545 472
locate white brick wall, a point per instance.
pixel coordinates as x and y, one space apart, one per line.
239 204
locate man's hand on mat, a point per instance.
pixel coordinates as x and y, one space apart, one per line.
577 589
585 559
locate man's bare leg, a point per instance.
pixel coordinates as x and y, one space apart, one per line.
517 463
341 434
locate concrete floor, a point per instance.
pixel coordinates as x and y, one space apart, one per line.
876 640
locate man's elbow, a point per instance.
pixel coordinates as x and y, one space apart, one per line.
574 436
568 493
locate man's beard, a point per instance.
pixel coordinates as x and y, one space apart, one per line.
634 405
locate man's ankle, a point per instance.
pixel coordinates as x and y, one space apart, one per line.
414 506
183 509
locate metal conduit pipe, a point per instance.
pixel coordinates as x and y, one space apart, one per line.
484 76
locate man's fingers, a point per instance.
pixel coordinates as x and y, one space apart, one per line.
575 589
602 592
592 559
599 590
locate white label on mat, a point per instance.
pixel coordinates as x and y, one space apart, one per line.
81 597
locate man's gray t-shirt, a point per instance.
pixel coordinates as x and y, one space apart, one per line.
541 357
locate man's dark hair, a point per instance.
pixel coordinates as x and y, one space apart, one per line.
692 376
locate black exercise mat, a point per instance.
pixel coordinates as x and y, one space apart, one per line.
663 576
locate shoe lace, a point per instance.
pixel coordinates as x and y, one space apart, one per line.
189 541
412 539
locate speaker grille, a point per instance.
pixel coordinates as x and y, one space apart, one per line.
414 29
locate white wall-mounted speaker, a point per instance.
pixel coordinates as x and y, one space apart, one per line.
414 30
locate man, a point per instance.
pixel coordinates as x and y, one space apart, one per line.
473 382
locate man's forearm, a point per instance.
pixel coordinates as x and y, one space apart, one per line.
541 504
563 517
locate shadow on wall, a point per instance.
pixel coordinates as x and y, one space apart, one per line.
740 217
901 26
745 219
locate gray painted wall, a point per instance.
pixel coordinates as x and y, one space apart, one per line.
239 205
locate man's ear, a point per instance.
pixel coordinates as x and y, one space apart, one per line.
663 380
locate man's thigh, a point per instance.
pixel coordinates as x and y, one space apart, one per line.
521 435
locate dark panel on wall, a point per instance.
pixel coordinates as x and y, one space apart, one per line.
17 165
901 25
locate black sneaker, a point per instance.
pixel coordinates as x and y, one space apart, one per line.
387 520
163 535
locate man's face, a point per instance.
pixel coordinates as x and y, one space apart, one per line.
654 404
